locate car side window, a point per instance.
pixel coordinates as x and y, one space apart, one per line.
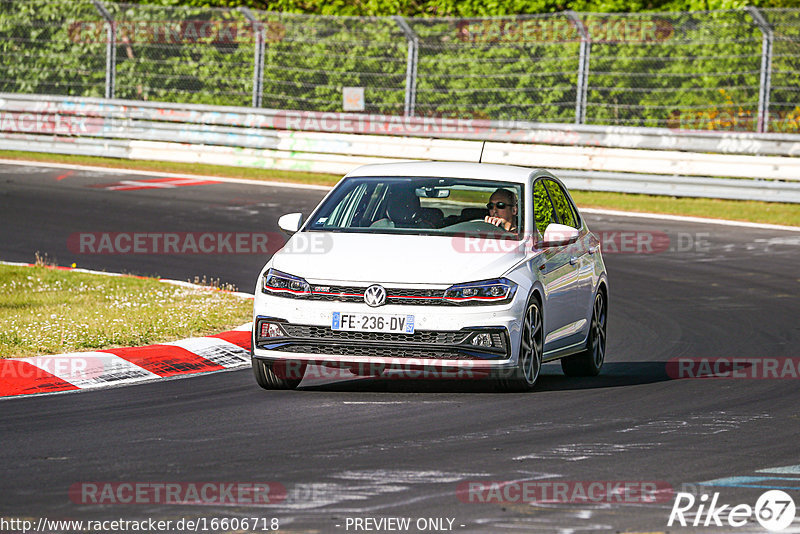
563 208
542 207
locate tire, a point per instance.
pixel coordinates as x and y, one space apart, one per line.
273 375
590 360
529 362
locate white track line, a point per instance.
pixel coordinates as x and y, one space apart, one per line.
684 218
137 172
679 218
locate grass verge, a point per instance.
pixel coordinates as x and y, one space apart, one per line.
739 210
50 311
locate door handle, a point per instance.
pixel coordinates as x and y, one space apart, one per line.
573 260
592 250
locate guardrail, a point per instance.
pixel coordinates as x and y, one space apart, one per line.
632 160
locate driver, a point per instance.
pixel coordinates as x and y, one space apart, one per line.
502 208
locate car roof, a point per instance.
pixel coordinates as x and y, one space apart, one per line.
446 169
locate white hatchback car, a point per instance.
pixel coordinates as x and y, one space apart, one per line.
443 269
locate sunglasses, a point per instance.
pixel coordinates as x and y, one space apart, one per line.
499 205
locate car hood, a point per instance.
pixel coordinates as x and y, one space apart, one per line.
402 259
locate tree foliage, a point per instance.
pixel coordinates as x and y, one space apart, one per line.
473 8
698 70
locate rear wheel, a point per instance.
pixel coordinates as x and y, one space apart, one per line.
590 360
278 375
529 362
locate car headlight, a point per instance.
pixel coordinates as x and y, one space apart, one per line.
495 291
276 282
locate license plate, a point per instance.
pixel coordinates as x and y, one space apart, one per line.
372 322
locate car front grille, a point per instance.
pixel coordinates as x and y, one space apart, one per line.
324 333
411 296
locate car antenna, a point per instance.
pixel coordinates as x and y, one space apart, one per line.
480 158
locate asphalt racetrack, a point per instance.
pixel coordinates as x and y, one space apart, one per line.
370 449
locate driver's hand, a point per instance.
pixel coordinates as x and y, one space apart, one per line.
498 221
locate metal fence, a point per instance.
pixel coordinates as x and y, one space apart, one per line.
731 70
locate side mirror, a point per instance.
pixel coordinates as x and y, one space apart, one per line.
559 234
291 222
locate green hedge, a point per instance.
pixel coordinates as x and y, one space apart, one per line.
698 70
472 8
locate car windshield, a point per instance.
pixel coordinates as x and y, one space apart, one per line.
422 206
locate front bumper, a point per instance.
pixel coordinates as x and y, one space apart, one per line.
442 338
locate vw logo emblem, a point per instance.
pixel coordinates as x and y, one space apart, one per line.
375 296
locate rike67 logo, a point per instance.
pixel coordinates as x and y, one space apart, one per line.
774 510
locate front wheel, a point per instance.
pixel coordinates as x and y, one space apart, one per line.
529 361
278 375
590 360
